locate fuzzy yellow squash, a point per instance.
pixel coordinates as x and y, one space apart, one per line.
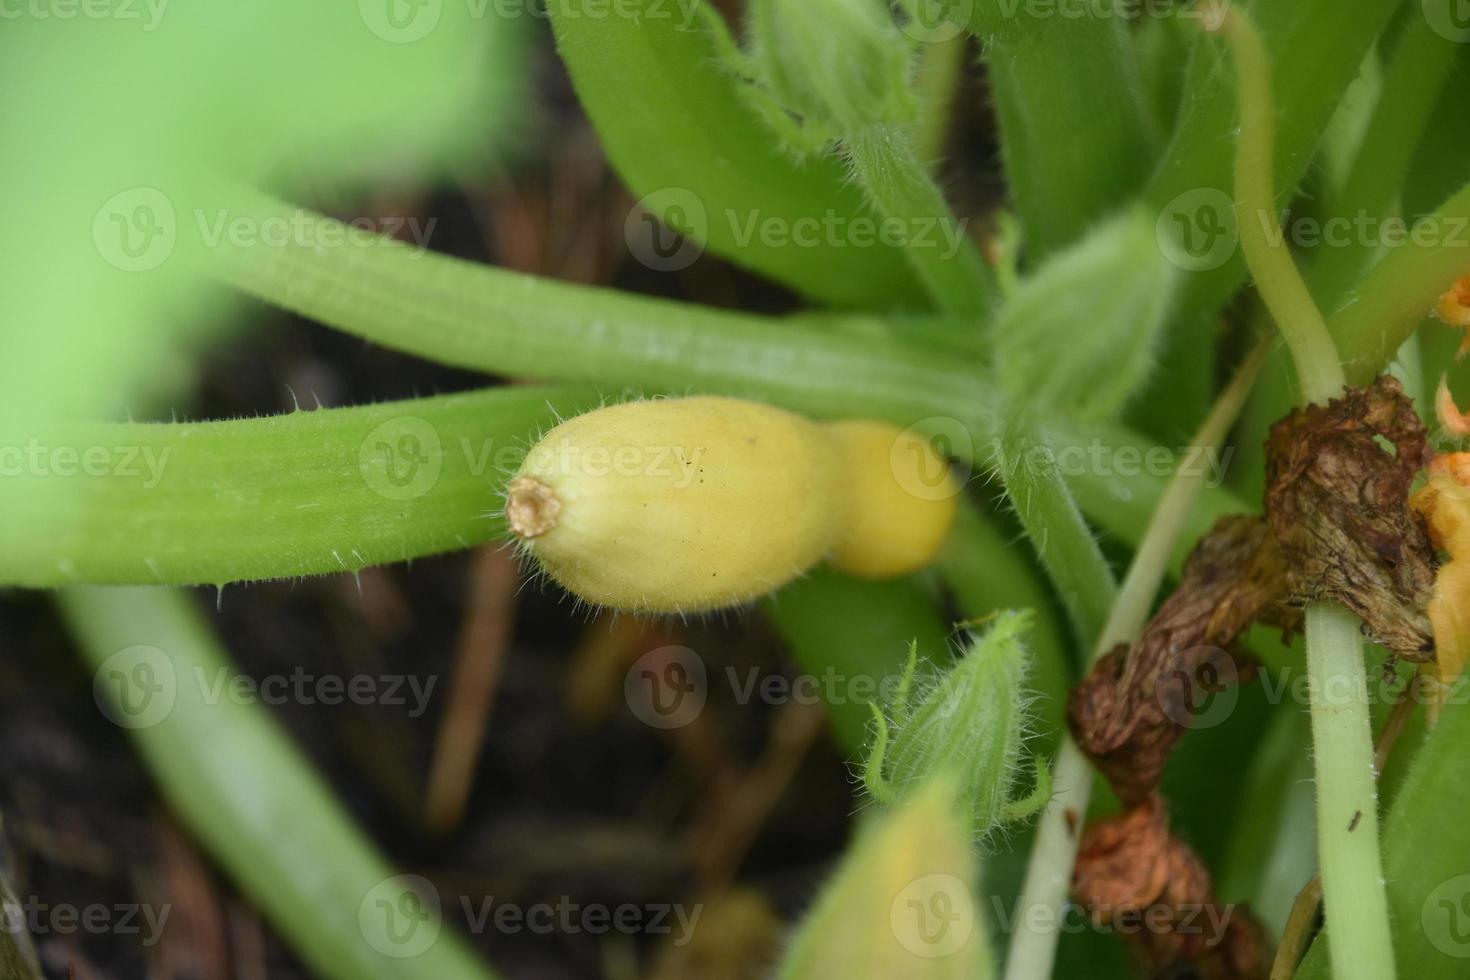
689 504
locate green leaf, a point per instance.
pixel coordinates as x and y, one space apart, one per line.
660 90
1442 160
1070 102
1310 70
1416 74
839 66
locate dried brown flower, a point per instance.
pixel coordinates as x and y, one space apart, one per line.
1135 704
1337 489
1136 877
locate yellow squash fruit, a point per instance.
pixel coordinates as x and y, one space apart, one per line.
901 500
690 504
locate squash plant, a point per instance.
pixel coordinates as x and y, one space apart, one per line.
1102 315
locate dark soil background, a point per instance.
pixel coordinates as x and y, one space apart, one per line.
573 799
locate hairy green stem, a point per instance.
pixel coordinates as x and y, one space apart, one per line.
1347 799
1065 545
945 259
1258 222
502 322
986 573
301 494
1351 862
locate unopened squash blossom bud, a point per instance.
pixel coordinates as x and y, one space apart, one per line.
689 504
902 902
969 725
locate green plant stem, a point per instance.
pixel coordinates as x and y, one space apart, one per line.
301 494
1064 543
1341 729
1426 838
1151 560
945 259
1347 800
1049 875
986 573
247 794
1280 284
502 322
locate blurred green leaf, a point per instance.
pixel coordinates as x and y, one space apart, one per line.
246 793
